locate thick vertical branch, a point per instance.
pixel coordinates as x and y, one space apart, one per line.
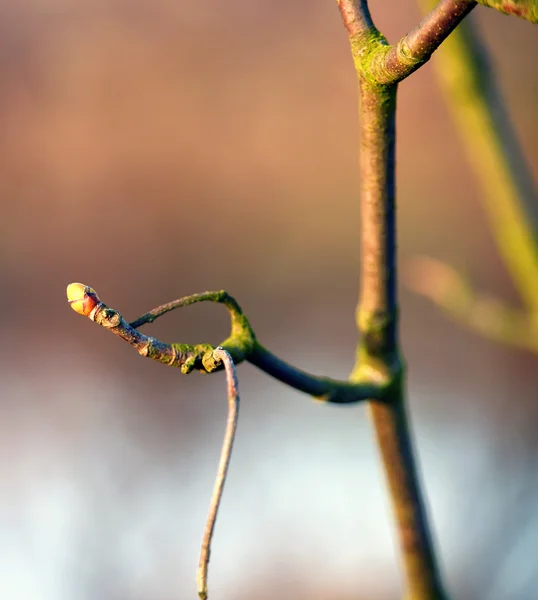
378 232
378 353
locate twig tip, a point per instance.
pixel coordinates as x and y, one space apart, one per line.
82 298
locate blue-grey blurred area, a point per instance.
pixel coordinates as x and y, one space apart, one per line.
157 148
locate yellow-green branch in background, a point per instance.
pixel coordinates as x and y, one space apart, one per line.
508 193
526 9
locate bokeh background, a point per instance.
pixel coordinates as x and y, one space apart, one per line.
156 148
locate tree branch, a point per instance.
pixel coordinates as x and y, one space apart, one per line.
378 354
241 345
324 389
384 64
356 16
453 294
220 355
378 350
526 9
416 48
508 190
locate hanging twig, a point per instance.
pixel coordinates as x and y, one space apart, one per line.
231 426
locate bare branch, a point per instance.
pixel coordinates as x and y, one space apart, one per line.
416 48
356 16
508 190
384 64
526 9
241 344
378 349
220 354
221 297
324 389
483 313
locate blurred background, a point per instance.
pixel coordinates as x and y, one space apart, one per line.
157 148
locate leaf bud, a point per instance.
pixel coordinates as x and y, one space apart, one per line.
82 298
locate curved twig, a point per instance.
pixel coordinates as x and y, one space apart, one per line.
225 454
241 344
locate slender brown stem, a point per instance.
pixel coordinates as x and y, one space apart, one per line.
378 217
378 352
322 388
224 463
421 574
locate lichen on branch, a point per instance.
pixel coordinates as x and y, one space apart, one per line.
384 64
241 344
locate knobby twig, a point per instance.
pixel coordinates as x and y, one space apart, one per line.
241 344
220 354
386 64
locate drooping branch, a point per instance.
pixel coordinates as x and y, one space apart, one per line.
241 344
220 355
508 192
482 313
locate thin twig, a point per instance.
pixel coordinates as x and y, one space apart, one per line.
325 389
241 344
220 296
224 463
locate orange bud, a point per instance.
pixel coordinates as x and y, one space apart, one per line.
82 298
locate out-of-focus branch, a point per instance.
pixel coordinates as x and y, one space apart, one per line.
526 9
241 344
508 192
453 294
223 356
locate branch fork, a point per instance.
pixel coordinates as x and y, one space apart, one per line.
378 375
241 344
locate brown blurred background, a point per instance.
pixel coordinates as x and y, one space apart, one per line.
153 149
